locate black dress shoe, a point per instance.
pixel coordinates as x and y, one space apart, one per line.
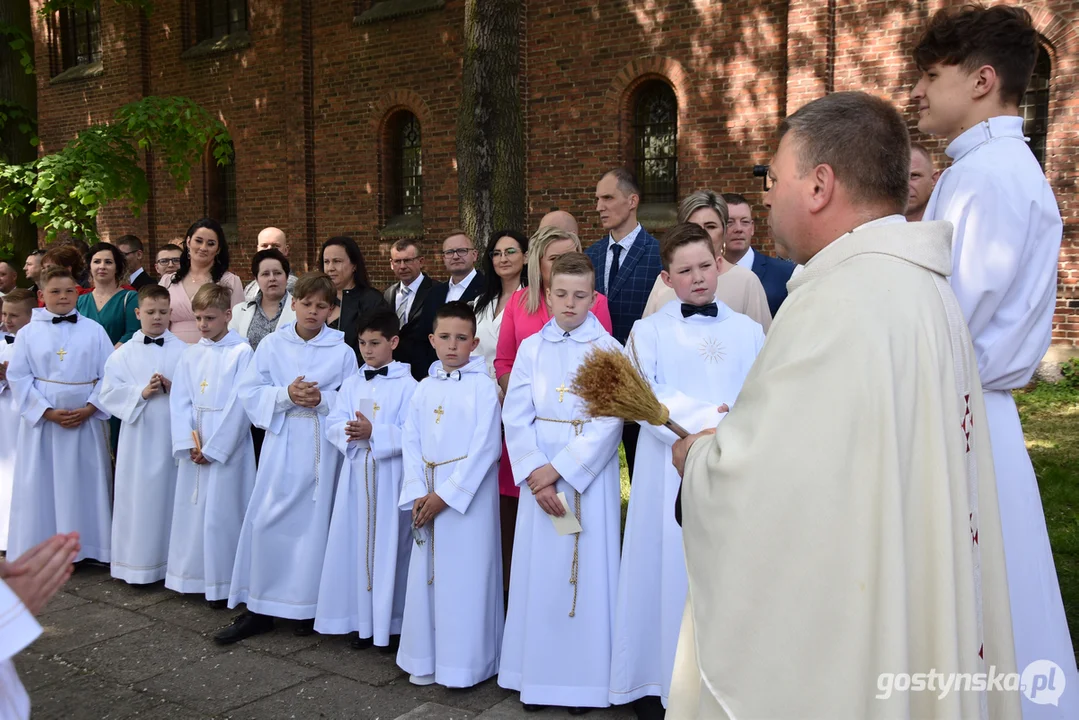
580 710
217 604
304 628
649 707
246 625
529 707
359 643
395 643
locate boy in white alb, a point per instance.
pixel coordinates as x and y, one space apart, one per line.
211 437
288 391
62 463
367 597
557 646
135 389
15 313
695 353
451 633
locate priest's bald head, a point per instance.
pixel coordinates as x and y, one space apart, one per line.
842 161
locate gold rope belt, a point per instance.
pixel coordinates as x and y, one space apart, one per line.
61 382
311 415
429 477
578 428
372 509
199 410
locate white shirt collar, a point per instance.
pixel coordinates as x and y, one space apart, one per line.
464 283
138 271
746 260
627 241
414 286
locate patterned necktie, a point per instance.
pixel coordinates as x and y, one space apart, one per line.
160 342
65 318
370 374
616 250
402 304
711 310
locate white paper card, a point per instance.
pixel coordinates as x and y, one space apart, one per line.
367 407
567 524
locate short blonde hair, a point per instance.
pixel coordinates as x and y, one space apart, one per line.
537 246
212 295
703 199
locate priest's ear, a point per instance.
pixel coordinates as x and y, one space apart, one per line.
822 186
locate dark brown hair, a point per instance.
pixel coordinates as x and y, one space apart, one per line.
455 309
971 36
679 236
315 283
66 256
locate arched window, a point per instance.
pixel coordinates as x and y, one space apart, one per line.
220 189
655 142
405 165
1035 105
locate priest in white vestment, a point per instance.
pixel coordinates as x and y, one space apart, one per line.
841 527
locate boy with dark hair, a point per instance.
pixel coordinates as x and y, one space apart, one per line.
976 63
62 463
15 312
557 647
451 632
136 390
211 437
367 599
288 391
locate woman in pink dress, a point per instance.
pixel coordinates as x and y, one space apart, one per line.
205 259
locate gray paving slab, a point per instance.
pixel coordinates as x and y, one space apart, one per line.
282 641
434 711
91 697
68 629
227 681
511 709
63 601
130 597
138 656
334 654
37 671
477 699
86 575
191 612
327 697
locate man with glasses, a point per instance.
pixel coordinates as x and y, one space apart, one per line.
269 238
132 248
772 272
407 297
168 259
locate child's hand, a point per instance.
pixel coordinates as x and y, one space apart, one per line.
78 417
542 477
197 457
56 416
153 388
3 372
166 384
548 500
304 394
358 429
426 508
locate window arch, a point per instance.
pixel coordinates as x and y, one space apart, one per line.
1035 105
221 188
405 165
655 141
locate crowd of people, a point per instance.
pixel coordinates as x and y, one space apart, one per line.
845 515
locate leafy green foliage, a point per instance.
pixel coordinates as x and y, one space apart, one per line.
1069 374
65 190
21 43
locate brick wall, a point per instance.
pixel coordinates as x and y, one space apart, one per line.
308 99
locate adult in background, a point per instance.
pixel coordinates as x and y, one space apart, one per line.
32 267
737 288
80 246
923 178
204 259
131 247
560 219
67 256
838 525
9 277
504 263
167 261
407 297
269 239
111 303
772 272
465 284
627 264
341 259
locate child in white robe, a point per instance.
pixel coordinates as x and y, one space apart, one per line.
557 646
695 353
451 633
62 464
135 389
367 598
288 391
211 438
15 313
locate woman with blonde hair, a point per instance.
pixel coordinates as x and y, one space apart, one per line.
738 288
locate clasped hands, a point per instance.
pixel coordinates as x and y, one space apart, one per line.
69 419
158 384
305 394
542 484
42 570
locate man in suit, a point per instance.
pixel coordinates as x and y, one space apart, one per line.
131 247
772 272
465 283
627 264
408 297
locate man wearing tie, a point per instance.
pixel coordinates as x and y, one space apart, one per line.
627 264
407 297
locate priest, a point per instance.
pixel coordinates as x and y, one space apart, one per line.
841 527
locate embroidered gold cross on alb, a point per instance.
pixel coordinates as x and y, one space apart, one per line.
61 353
203 385
561 391
439 412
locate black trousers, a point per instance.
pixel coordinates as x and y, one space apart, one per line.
630 432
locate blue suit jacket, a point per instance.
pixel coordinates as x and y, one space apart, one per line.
637 273
773 274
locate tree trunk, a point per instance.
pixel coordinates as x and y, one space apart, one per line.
490 125
17 235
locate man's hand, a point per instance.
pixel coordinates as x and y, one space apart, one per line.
681 450
542 477
197 457
42 570
548 500
358 429
304 394
426 508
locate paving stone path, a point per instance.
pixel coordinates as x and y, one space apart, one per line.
111 650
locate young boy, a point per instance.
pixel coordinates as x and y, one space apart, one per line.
976 63
136 390
367 597
696 353
288 391
211 437
15 314
557 648
452 627
62 463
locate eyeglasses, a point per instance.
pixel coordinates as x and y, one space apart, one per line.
403 261
507 253
456 252
168 261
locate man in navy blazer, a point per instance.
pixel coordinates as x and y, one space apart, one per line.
627 264
772 272
465 284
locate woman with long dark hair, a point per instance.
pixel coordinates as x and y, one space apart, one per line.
504 259
112 302
341 259
205 259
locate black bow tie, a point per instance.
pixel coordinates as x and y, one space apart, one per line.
65 318
370 374
160 342
9 339
711 310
